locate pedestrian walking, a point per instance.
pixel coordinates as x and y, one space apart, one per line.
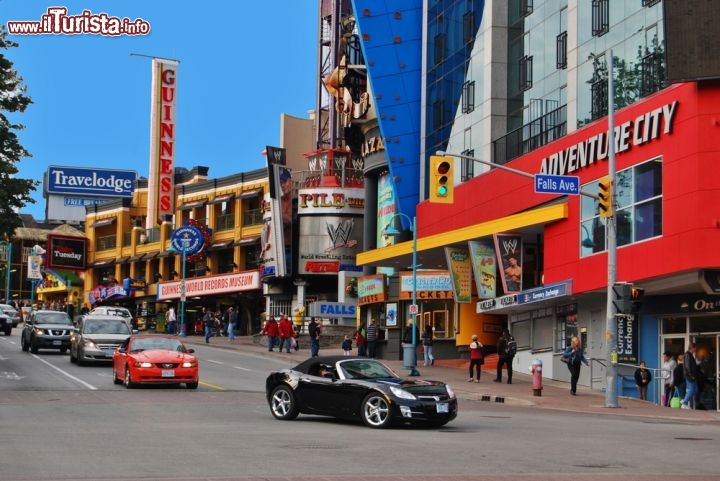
371 337
427 341
476 358
270 329
232 323
347 345
209 322
668 370
642 380
314 332
286 331
690 370
573 356
360 343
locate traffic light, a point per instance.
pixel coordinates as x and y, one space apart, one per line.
605 197
441 179
628 298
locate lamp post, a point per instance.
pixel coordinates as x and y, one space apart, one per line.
409 353
181 329
8 252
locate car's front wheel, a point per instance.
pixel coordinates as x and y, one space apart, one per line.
73 357
33 346
8 331
128 380
375 411
283 404
116 379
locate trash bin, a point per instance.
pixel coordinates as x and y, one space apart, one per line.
410 358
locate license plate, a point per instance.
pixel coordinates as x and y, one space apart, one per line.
168 373
442 407
57 343
108 353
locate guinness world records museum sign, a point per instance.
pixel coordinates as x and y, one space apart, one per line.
188 239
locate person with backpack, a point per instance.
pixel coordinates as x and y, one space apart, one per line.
573 356
506 349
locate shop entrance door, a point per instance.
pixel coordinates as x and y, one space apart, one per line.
707 361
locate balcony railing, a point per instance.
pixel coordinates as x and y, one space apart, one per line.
106 243
531 136
252 217
225 222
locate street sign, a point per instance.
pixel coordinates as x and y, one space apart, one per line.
557 184
413 309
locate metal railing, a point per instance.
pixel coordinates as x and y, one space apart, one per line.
105 243
224 222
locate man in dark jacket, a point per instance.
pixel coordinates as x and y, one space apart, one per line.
505 356
690 371
314 332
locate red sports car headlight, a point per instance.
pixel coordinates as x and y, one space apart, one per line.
142 364
189 364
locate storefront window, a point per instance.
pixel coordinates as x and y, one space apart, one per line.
704 324
674 325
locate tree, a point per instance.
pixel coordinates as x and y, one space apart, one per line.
14 192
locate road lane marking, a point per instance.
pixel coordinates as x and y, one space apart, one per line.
242 368
214 362
65 373
210 385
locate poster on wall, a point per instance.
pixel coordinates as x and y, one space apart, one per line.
627 339
458 261
484 265
385 212
508 248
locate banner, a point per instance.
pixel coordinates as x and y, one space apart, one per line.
458 261
508 248
484 264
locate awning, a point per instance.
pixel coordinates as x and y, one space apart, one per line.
248 241
249 194
400 255
167 253
151 256
193 205
137 257
216 246
123 260
102 223
106 262
222 198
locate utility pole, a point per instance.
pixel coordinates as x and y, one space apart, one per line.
611 335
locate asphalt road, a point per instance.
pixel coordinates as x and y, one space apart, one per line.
59 421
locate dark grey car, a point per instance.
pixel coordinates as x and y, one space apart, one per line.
97 337
46 330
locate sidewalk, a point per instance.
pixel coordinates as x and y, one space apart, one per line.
555 394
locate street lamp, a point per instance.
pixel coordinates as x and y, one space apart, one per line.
409 352
8 252
184 244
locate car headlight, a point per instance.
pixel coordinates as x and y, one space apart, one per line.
90 343
143 364
39 332
401 393
189 364
450 391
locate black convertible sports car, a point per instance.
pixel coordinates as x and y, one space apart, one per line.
358 388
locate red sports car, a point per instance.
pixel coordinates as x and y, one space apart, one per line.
153 359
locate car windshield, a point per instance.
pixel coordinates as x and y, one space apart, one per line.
118 312
105 326
365 369
146 344
52 318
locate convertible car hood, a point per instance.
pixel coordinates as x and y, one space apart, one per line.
416 385
159 355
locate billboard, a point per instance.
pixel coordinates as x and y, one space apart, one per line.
90 182
66 252
329 244
161 199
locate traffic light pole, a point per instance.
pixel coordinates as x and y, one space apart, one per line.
611 335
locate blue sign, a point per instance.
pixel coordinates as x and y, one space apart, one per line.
187 238
557 184
544 293
96 182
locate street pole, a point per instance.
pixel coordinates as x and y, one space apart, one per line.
181 330
409 353
8 251
611 336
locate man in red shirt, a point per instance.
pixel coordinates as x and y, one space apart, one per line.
271 331
286 330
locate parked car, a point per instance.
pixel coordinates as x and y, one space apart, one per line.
123 312
358 388
46 329
97 337
12 313
6 324
154 359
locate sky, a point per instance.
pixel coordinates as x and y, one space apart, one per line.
242 65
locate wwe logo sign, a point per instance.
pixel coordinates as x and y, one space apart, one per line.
340 234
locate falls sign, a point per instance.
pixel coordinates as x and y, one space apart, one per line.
557 184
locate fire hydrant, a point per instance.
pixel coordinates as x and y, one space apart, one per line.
536 371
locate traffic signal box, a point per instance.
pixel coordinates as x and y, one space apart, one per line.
441 179
628 298
605 197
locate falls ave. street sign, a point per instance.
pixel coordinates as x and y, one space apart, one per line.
557 184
